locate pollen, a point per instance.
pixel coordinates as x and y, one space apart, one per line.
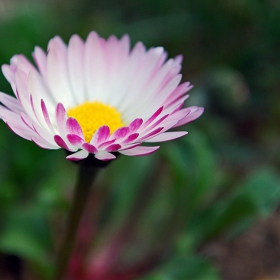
92 115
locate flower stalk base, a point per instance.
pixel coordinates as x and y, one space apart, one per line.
86 177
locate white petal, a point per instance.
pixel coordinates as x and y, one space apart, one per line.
57 73
103 155
139 151
150 62
196 113
43 144
9 73
147 105
166 136
37 93
95 67
40 58
23 95
24 64
75 56
127 73
10 102
78 155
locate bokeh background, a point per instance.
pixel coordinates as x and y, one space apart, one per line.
203 207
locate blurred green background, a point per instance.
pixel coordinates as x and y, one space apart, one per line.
182 210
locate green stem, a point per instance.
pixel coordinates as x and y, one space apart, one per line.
86 177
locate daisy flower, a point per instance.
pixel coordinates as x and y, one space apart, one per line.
96 97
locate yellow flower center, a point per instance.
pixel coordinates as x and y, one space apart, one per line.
92 115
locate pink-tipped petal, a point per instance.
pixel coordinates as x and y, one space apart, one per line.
113 148
61 118
135 124
90 148
139 151
120 133
73 127
75 140
131 137
153 117
101 135
60 142
106 144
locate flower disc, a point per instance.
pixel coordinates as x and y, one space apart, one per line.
92 115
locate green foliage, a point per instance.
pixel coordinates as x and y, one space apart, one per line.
258 196
182 268
26 234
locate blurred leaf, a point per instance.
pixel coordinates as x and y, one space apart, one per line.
206 174
225 215
195 174
263 187
256 197
26 234
185 268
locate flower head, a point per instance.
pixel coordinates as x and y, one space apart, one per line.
96 97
